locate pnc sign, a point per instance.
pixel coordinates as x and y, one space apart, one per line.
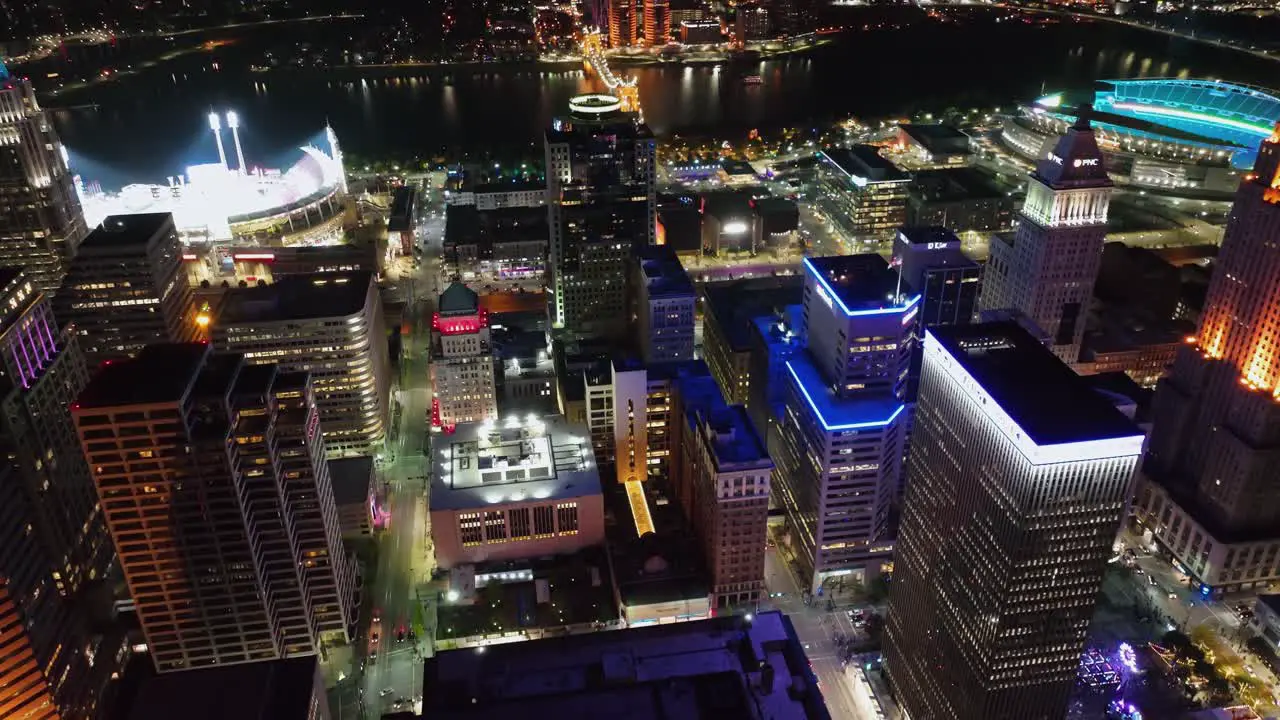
1055 158
1086 162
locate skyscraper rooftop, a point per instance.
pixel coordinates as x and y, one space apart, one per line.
859 283
160 373
1042 397
297 297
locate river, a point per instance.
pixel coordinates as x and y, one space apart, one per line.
152 124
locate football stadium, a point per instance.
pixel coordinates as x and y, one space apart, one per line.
1182 137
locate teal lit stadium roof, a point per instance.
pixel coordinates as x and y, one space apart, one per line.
1218 115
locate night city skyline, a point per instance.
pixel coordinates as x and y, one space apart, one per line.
768 359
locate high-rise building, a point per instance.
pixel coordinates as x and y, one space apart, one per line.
843 435
600 207
45 372
1212 495
947 279
728 313
329 325
126 288
870 191
750 23
625 23
53 539
53 666
1048 267
1016 485
665 306
931 261
462 372
212 477
43 222
725 465
657 23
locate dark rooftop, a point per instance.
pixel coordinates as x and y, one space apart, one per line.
938 138
297 297
734 440
664 275
727 203
924 248
160 373
1047 400
734 304
508 186
704 669
351 479
458 299
737 167
127 230
401 216
865 163
953 185
861 282
273 690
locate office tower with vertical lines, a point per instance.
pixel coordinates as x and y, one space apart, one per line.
1211 493
127 288
43 372
1016 485
53 540
51 666
1047 268
839 457
43 222
216 494
601 199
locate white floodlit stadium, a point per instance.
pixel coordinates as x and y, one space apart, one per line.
214 202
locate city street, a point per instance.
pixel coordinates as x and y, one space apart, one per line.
399 594
818 628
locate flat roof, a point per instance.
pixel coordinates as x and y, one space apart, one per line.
734 441
270 690
664 275
737 167
955 184
515 459
304 296
1048 401
864 164
352 479
733 304
505 187
691 670
126 231
938 138
860 283
933 247
867 411
164 372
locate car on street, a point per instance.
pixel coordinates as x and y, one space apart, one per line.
385 692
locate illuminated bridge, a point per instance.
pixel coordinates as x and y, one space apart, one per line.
1172 134
593 57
